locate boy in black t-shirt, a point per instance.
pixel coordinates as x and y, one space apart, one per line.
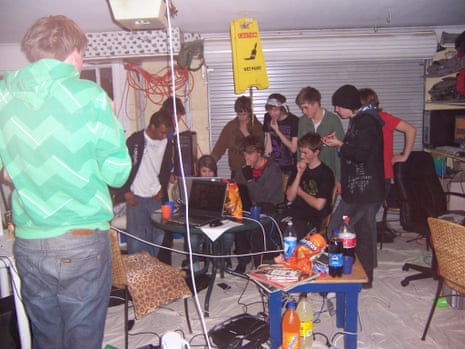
310 187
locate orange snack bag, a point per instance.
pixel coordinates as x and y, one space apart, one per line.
311 245
233 204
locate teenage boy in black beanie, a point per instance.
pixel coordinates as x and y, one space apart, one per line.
362 171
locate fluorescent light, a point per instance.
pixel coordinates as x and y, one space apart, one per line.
139 14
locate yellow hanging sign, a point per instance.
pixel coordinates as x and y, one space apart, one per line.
248 61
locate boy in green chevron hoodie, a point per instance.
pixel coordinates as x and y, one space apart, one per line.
61 146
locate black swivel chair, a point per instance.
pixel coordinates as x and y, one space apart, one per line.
421 196
390 205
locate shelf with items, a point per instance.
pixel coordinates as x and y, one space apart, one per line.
444 102
446 95
444 106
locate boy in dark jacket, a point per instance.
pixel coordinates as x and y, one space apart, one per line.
362 171
146 188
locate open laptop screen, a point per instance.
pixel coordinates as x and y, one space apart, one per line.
207 196
188 182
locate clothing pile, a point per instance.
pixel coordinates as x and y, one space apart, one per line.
450 89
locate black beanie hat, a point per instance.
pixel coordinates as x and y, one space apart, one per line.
348 97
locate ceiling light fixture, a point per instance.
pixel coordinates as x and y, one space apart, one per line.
141 14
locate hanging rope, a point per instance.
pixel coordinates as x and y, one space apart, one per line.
157 86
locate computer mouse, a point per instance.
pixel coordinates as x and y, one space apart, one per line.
216 223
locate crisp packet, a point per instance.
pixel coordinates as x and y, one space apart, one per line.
308 247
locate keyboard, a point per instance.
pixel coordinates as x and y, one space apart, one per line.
194 220
449 150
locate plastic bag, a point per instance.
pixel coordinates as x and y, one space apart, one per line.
233 204
307 248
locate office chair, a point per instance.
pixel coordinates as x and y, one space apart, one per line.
421 196
390 205
146 282
325 222
448 240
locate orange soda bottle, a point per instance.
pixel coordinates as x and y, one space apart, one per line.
291 328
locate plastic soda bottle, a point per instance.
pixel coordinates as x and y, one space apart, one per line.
290 240
347 237
305 312
335 254
291 328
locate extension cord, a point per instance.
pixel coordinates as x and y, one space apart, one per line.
330 306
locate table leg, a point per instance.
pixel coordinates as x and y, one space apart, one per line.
212 281
216 250
274 309
221 260
340 309
351 316
165 255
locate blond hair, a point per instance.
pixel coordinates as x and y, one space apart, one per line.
53 37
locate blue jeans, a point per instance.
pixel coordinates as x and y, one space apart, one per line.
363 221
139 223
66 284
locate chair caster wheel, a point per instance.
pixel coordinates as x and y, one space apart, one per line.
404 282
405 267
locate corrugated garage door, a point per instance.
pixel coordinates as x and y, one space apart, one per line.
399 81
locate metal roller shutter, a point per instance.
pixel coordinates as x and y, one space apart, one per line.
398 80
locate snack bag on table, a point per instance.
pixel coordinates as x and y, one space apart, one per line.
307 248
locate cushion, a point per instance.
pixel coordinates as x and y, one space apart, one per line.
152 283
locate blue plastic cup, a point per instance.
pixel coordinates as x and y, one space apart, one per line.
347 263
255 212
170 203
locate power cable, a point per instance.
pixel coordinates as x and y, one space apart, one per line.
157 86
173 72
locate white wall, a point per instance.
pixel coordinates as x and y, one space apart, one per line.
11 57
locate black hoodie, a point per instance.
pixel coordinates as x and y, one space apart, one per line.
362 166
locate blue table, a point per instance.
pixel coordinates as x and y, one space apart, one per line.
346 288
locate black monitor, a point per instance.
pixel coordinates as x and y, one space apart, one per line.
459 130
188 145
439 127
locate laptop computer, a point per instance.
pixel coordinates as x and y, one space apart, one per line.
183 200
206 203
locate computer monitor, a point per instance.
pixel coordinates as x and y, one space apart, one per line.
459 130
439 127
188 144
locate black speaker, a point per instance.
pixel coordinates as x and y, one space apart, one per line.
188 144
